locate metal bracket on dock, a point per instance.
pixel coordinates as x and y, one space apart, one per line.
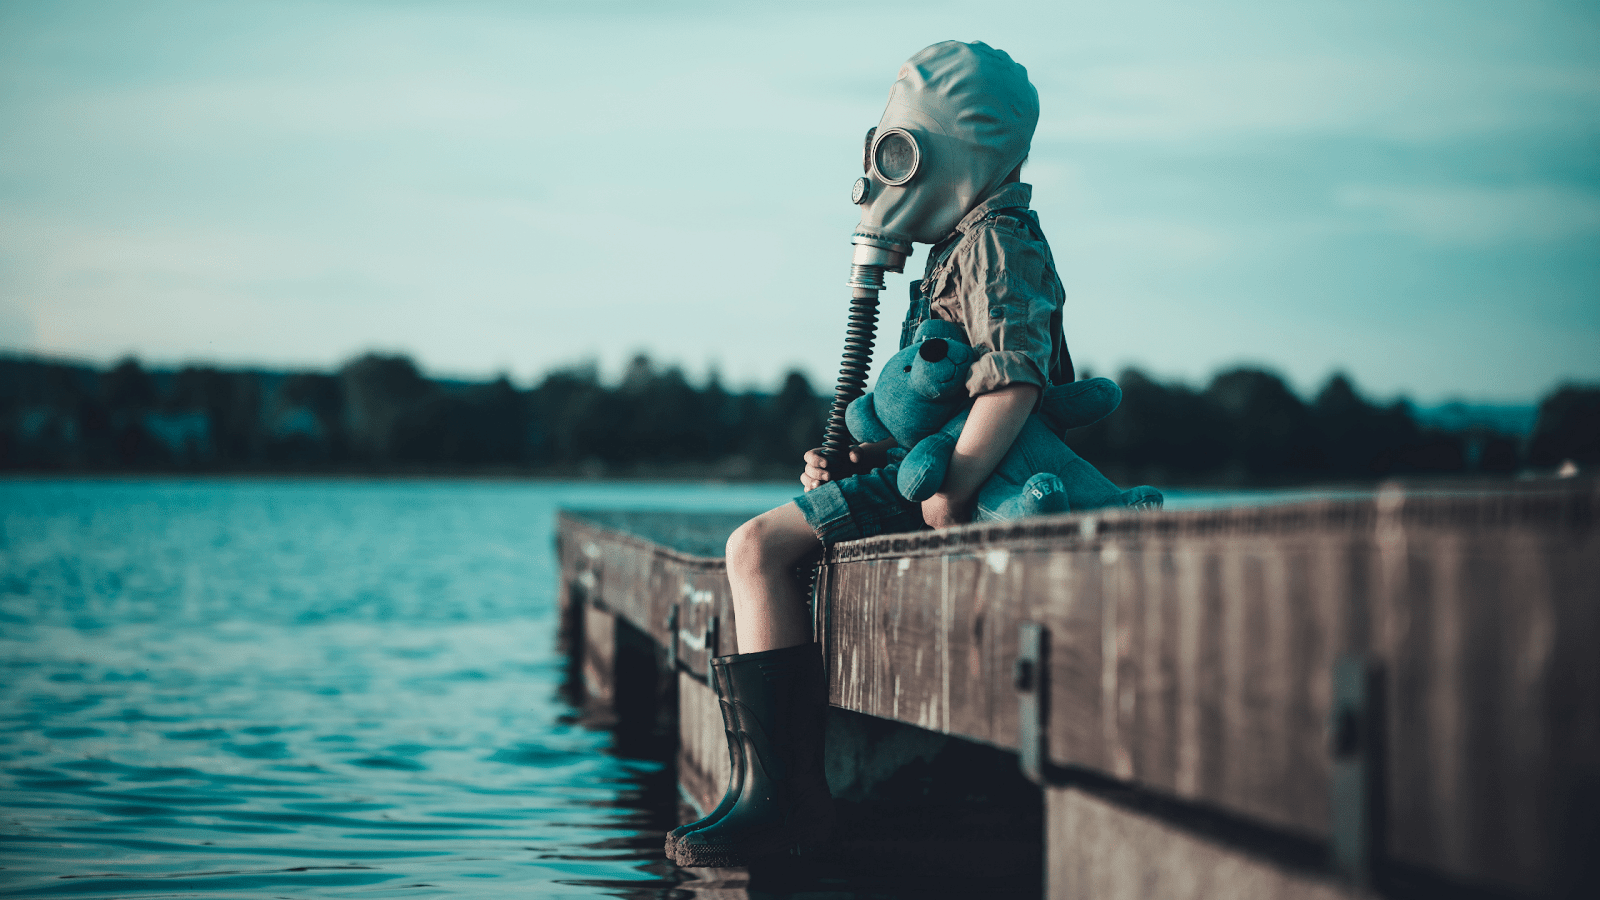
821 607
672 638
706 640
1032 680
1355 795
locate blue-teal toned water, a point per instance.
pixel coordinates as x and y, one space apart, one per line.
308 688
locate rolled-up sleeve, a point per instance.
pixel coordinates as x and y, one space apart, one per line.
1004 295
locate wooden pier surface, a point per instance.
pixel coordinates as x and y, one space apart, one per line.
1190 656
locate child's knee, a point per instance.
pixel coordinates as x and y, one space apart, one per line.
745 546
759 544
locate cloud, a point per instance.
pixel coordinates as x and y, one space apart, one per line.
1410 100
1472 216
16 327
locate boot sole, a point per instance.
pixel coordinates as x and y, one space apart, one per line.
735 856
740 857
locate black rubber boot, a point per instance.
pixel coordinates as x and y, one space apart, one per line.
730 726
780 701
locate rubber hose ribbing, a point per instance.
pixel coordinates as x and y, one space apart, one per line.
860 332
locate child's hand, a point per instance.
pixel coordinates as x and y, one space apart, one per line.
863 458
816 469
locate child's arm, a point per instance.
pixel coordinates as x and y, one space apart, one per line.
994 423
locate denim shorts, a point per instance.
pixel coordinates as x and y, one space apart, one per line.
860 506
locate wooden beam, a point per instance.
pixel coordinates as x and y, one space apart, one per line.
1100 849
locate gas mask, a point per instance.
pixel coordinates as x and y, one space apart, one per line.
960 118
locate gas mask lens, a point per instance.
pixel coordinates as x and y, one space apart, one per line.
895 156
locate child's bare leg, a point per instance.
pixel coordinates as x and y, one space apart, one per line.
769 608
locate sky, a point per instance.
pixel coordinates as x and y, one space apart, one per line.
1406 193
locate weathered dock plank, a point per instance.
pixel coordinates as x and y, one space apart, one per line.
1191 655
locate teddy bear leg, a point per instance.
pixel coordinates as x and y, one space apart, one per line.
1088 488
1142 497
1068 406
1041 495
1044 494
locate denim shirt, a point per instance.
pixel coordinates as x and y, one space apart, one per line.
994 276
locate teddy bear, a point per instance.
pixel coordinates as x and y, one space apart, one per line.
920 400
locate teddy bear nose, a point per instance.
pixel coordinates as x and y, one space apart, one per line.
934 349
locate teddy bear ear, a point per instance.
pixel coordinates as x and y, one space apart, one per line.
861 417
939 328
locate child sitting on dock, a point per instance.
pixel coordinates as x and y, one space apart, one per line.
943 168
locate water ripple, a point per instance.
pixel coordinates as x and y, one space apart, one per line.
217 689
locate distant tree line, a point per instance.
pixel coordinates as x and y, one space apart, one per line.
379 413
1247 426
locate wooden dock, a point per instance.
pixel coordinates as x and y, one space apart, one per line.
1396 695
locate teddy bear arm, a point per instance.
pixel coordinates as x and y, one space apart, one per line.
923 470
861 417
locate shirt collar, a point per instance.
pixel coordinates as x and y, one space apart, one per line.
1008 196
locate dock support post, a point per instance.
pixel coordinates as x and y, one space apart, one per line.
672 638
1354 790
599 653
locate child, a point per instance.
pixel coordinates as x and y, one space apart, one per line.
943 168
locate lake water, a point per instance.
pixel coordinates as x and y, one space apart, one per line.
309 688
298 688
